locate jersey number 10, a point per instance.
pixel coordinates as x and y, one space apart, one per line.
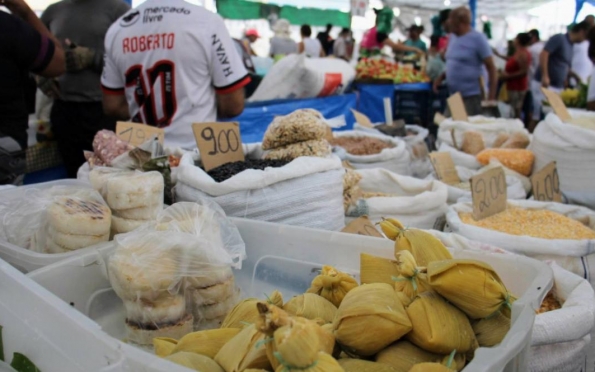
162 72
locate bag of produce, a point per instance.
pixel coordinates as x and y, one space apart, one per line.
414 202
369 150
61 219
563 334
542 230
175 275
570 145
304 192
462 191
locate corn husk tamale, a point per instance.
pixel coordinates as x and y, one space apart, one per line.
245 312
405 300
244 351
358 365
207 343
403 355
298 349
194 361
163 346
375 269
423 246
438 326
311 306
370 318
430 367
332 284
472 286
491 331
411 281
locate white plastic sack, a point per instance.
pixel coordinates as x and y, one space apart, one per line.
571 147
577 256
307 192
460 158
296 76
418 204
490 128
515 189
396 159
416 145
561 337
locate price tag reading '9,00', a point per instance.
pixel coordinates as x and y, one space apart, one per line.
362 226
218 143
136 134
488 191
546 184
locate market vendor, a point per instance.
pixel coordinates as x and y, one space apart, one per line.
377 37
171 74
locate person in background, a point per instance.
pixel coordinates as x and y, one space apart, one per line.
341 46
435 66
468 52
184 74
325 39
414 39
516 73
250 37
555 61
281 43
311 47
535 48
377 38
443 41
591 91
582 66
77 114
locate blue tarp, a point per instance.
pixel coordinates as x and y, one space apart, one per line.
257 116
371 99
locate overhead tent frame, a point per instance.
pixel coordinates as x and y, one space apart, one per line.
579 6
244 10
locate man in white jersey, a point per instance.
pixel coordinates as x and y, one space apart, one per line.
169 63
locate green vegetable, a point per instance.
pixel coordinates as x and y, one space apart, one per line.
22 364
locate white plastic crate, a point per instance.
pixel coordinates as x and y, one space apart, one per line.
24 259
287 258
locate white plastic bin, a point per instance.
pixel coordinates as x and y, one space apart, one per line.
287 258
24 259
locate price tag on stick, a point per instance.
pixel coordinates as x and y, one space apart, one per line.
457 107
546 184
445 168
362 226
488 191
218 143
136 134
362 119
557 104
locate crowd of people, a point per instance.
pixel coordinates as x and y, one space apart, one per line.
168 63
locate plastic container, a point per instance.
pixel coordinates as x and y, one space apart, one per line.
24 259
287 258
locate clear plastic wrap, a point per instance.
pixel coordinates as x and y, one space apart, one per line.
175 274
57 220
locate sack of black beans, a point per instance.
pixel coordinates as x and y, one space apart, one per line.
307 191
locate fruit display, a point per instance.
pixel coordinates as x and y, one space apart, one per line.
370 68
576 97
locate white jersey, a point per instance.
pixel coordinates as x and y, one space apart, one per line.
170 58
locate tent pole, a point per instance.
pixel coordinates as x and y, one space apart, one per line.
473 7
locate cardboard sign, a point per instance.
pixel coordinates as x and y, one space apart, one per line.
136 134
438 118
445 168
454 138
347 165
557 104
362 119
218 143
329 133
488 191
546 184
362 226
457 107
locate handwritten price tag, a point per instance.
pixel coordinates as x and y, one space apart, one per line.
488 191
445 168
218 143
546 184
136 134
362 119
362 226
457 107
557 104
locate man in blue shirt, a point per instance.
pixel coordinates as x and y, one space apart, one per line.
467 54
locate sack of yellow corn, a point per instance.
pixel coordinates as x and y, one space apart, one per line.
194 361
472 286
519 160
332 285
370 318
